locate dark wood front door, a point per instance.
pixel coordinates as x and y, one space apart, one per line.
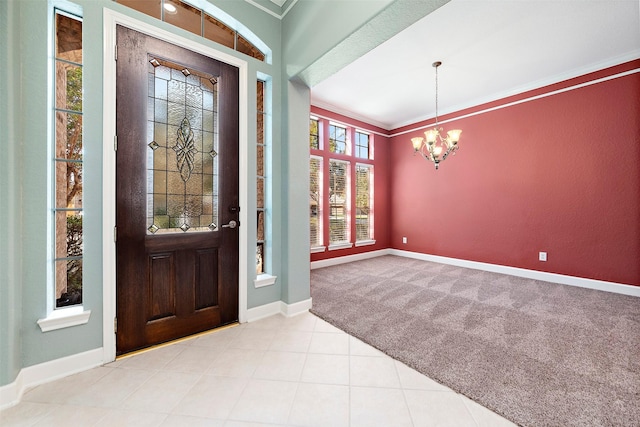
176 192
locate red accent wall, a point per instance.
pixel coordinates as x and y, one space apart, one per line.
380 185
559 174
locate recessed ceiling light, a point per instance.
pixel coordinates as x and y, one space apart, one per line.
170 8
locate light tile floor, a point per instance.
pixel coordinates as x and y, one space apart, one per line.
298 371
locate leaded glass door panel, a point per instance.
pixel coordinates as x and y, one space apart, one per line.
176 186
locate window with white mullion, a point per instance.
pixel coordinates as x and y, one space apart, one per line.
68 160
364 201
339 199
261 181
315 201
338 141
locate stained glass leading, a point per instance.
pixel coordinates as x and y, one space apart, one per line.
182 149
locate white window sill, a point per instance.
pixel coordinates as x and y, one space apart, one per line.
264 280
64 318
365 243
318 249
337 246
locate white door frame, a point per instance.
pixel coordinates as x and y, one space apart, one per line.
110 20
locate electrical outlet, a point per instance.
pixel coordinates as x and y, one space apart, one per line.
404 240
542 256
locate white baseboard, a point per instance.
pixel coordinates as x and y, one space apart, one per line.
600 285
278 307
349 258
32 376
290 310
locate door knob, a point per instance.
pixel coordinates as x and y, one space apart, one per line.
232 224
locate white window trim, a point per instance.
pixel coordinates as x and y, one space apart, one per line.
64 318
58 318
264 279
365 242
317 249
340 245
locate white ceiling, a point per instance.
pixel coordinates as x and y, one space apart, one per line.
489 50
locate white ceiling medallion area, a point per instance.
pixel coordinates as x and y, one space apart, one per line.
490 49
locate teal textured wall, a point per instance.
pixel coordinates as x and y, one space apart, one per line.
10 195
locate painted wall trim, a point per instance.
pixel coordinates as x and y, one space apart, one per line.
348 115
264 280
278 3
64 318
278 307
600 285
110 20
348 258
52 370
520 101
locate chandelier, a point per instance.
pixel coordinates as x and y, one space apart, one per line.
433 146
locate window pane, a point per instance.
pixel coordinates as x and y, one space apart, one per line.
71 276
218 32
363 202
68 185
362 145
337 139
69 225
68 136
68 39
247 48
68 86
314 135
260 193
185 16
260 258
315 201
338 202
148 7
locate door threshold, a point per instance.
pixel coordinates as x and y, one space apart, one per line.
178 340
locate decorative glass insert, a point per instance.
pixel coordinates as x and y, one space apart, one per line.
337 139
315 201
338 201
362 145
314 134
184 15
260 176
68 159
182 153
363 201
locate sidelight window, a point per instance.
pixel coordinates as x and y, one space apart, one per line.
68 160
261 149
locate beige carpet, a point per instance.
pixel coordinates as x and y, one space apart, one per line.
538 353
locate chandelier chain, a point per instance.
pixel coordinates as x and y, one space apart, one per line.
436 96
